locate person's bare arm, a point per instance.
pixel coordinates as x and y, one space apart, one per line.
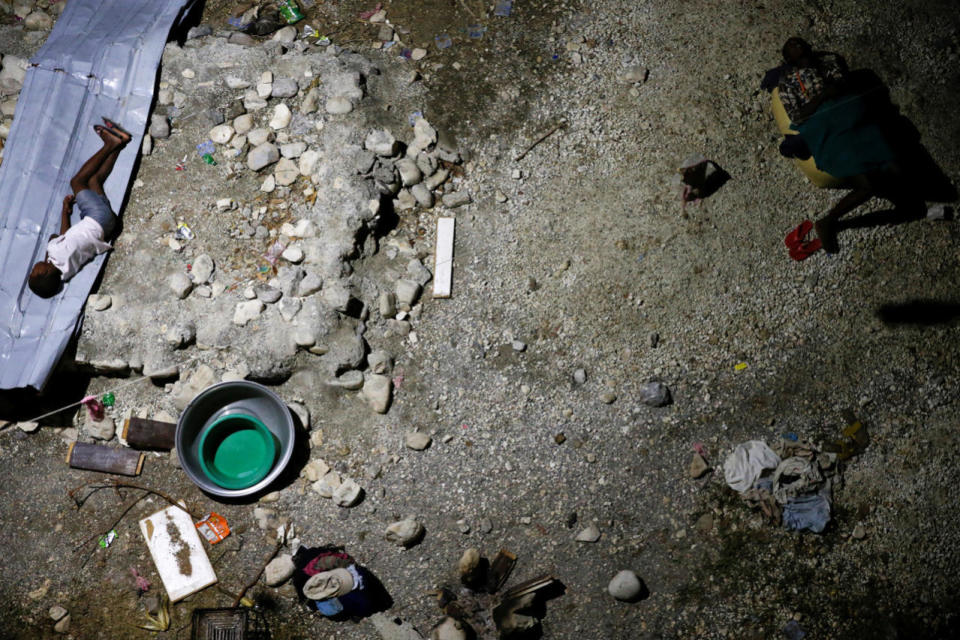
65 214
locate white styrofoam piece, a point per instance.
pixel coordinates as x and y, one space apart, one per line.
168 533
443 267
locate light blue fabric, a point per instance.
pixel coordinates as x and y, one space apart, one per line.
811 512
329 607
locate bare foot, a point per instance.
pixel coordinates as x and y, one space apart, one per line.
827 232
110 139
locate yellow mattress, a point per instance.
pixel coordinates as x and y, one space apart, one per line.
808 166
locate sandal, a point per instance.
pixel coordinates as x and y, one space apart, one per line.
120 132
799 248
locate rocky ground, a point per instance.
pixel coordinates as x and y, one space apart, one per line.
578 279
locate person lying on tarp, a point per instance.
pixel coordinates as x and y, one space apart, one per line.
835 126
77 245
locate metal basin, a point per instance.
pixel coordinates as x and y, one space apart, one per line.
233 398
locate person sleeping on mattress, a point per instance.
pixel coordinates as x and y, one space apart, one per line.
77 245
836 127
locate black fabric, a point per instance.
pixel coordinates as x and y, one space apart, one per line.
794 147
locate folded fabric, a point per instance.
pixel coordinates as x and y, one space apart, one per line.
329 584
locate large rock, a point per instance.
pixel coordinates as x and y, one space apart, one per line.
221 133
278 570
13 73
381 142
159 126
262 156
625 586
281 117
284 88
655 394
243 123
404 533
37 21
409 171
376 390
202 269
347 494
100 429
309 161
181 284
247 311
338 106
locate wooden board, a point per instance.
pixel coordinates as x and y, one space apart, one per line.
149 434
98 457
177 552
443 266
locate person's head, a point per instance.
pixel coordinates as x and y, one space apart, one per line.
797 51
44 279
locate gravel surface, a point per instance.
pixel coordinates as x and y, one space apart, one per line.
578 279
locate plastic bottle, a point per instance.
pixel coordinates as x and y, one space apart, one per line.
108 399
209 159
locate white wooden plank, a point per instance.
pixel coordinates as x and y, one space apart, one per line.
177 552
443 267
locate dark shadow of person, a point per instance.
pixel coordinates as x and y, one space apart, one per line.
919 312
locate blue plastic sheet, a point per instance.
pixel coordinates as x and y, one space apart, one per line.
100 60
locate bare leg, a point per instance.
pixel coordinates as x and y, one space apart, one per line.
827 225
111 143
95 183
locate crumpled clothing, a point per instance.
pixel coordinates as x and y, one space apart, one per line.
760 495
795 476
811 511
747 462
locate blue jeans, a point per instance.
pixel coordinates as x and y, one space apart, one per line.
96 206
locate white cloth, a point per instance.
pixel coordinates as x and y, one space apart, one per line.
78 246
742 467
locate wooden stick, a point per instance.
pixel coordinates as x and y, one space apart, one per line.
243 592
556 127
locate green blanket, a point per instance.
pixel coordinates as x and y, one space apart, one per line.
843 140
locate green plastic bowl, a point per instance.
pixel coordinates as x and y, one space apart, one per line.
237 451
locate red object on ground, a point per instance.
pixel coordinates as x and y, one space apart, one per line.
801 249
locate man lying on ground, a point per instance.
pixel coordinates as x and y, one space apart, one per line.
79 244
835 126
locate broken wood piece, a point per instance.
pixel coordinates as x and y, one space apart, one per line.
177 552
99 457
500 570
443 265
141 433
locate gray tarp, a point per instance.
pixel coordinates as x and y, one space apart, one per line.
100 60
